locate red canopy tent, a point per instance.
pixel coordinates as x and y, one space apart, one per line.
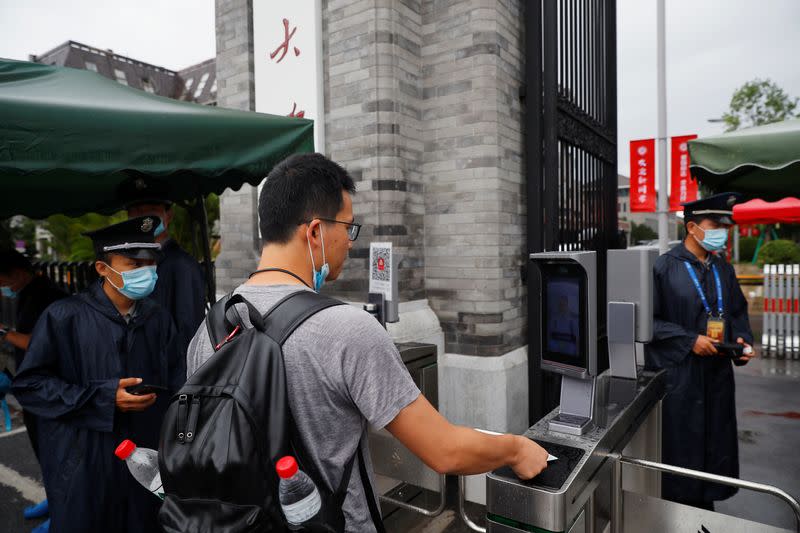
760 212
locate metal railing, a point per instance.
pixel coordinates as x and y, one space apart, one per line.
686 472
71 276
462 511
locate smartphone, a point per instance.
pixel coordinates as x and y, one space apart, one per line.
143 388
732 350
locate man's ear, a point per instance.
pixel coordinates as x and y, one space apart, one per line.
101 268
313 229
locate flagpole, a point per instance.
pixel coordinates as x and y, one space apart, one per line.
661 66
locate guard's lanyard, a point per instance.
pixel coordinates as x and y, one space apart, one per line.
693 275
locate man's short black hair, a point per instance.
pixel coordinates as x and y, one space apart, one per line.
11 260
300 188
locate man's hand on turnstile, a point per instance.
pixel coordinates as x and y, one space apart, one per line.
531 459
451 449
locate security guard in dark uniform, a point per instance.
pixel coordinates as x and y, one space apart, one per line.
34 294
85 352
697 305
181 282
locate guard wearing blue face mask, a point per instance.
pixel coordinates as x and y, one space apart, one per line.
84 353
697 304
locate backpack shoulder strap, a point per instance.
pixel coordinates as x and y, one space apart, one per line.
374 510
293 310
216 322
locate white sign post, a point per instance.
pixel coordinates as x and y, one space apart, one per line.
288 61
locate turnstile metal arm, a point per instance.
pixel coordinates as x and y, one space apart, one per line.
724 480
462 512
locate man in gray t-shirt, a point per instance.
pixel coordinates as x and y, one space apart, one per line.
343 371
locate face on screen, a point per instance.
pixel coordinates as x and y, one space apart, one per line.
563 307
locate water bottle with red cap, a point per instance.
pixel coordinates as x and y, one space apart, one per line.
298 495
143 465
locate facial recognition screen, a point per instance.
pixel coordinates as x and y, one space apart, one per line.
564 314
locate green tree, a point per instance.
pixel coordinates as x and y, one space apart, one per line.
68 241
779 252
183 226
759 102
69 244
642 232
747 247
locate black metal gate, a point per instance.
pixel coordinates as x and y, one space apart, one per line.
571 148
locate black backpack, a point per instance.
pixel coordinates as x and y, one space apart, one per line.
229 424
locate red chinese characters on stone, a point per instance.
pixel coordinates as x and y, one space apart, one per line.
283 49
295 113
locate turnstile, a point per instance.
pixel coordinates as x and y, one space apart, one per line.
392 461
609 478
575 492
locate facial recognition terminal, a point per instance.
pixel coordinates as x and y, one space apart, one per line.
568 321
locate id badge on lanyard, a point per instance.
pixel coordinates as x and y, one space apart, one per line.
715 326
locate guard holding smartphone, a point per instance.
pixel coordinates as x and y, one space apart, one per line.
700 330
85 352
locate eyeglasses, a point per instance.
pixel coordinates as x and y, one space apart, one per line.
353 229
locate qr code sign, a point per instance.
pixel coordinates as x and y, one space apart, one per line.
380 269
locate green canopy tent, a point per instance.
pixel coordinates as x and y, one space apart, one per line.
69 138
762 162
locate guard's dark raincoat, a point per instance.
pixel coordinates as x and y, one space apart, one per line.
80 349
699 417
180 290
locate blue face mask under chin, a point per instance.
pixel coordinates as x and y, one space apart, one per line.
161 228
714 240
137 283
8 292
321 274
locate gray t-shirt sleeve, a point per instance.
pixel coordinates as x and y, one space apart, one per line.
199 350
376 378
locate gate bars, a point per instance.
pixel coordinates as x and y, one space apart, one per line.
781 335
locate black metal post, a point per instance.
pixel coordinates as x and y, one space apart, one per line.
611 99
533 183
211 295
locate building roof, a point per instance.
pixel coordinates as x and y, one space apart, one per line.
623 182
134 73
200 82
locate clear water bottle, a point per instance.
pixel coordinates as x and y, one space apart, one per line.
143 466
298 495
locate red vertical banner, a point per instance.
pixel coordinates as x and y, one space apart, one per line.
643 176
684 188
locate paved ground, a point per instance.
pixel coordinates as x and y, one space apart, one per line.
768 404
20 478
768 410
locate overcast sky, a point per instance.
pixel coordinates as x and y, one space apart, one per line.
713 47
168 33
